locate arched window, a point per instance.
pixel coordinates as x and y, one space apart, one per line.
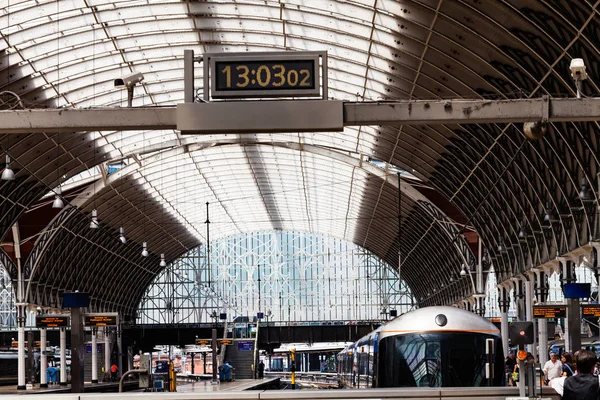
289 276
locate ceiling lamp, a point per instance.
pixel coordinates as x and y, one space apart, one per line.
549 217
585 194
58 202
500 248
523 232
145 250
122 237
8 174
94 224
163 263
463 271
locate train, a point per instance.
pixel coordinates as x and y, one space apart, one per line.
428 347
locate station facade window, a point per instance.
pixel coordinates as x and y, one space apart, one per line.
288 276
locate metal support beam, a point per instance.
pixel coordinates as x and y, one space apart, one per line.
413 112
458 111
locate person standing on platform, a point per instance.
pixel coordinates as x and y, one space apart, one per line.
261 370
509 367
114 370
584 384
553 368
568 366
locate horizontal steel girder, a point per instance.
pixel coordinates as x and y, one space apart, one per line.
377 113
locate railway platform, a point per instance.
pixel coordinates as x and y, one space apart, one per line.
132 386
233 392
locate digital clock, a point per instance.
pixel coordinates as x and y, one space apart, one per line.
251 75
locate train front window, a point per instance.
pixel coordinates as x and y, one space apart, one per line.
433 360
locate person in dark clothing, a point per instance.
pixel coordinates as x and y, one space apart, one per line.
509 367
568 366
583 385
261 370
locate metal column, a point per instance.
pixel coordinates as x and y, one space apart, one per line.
120 349
573 321
77 350
504 304
94 354
21 316
529 308
63 356
43 359
107 350
541 292
21 348
520 299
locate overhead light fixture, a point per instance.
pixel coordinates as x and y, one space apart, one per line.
122 237
8 174
500 248
585 193
550 216
94 224
523 232
58 202
163 263
144 250
463 271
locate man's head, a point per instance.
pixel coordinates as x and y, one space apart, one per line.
552 356
586 360
512 354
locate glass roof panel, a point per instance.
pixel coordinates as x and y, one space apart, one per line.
78 48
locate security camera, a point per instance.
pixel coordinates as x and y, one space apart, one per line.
129 80
577 68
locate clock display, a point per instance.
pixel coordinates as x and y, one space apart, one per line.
287 75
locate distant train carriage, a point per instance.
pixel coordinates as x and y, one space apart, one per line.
428 347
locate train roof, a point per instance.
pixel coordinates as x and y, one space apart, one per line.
431 319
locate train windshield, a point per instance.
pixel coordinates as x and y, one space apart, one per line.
435 360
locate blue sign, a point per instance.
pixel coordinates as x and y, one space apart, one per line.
88 348
245 346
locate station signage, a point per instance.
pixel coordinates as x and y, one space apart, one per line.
225 341
100 320
36 344
202 342
590 311
51 321
550 311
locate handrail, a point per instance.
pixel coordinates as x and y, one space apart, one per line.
130 372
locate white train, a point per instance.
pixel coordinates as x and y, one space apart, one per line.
428 347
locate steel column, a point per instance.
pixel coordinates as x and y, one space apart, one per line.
504 303
529 308
43 359
63 356
94 354
541 292
106 350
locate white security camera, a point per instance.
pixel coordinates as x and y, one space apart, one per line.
129 79
577 68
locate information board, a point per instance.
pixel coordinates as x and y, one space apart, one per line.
100 320
51 321
590 310
245 346
225 341
550 311
202 342
88 348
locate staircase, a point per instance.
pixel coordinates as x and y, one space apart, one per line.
239 359
87 364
